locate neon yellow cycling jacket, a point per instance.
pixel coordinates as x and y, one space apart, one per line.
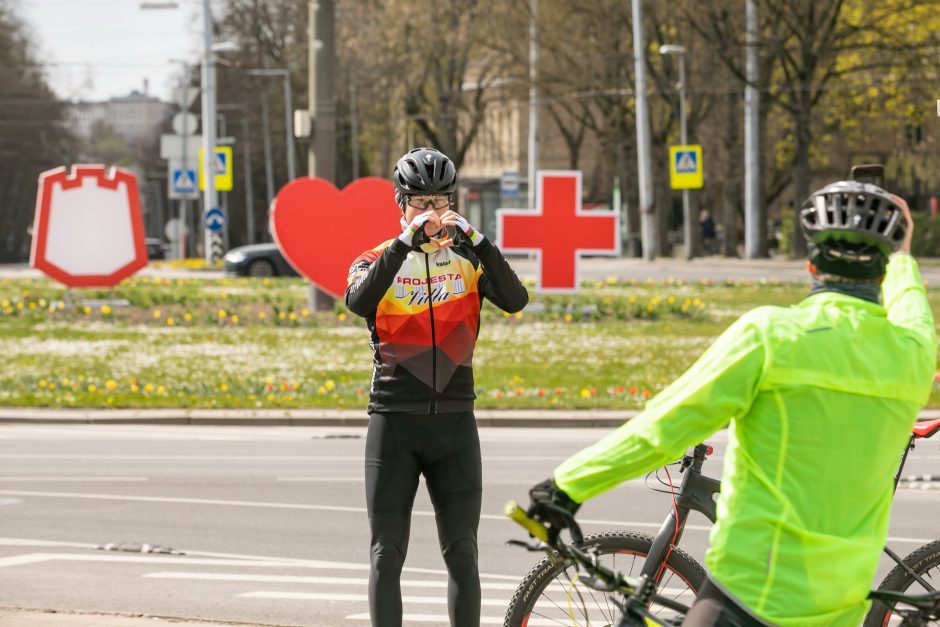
821 398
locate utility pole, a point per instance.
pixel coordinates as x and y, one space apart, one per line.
753 215
246 158
183 219
321 102
687 233
210 196
249 188
288 117
266 144
353 129
533 100
321 94
647 217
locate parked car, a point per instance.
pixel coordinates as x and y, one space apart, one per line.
156 248
258 260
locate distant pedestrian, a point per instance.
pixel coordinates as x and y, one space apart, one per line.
708 231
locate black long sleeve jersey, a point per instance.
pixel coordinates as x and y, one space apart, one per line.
422 306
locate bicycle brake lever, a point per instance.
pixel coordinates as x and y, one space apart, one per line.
526 545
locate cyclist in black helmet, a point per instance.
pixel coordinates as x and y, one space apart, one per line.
791 545
421 293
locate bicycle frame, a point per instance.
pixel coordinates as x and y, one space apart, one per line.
698 492
894 556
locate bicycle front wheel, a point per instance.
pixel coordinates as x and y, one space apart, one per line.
924 561
551 595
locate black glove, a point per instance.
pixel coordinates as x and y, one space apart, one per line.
552 507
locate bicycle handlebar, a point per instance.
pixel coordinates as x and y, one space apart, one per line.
534 527
599 577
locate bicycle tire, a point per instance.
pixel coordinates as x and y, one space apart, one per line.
925 561
533 586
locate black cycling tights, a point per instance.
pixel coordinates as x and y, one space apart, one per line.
714 608
445 448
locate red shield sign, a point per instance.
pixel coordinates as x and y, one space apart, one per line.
321 229
88 230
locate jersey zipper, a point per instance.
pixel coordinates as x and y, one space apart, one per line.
432 406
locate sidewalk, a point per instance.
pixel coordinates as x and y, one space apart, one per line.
316 417
11 617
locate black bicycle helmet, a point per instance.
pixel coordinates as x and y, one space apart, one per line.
423 171
851 228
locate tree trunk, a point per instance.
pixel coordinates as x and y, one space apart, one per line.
800 174
764 171
730 184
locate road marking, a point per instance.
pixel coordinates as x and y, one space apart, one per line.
312 457
341 508
211 558
522 482
346 581
558 587
18 560
297 506
326 596
445 619
23 542
324 479
75 479
32 558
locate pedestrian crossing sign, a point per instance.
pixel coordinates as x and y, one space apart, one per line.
685 167
223 169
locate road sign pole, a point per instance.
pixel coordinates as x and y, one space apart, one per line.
184 224
208 123
184 105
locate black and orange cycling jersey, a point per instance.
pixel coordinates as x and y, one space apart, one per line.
422 306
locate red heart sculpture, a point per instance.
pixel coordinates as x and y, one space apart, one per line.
321 230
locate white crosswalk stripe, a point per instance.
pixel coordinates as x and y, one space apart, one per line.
335 596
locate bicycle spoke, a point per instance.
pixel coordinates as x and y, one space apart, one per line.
554 620
591 592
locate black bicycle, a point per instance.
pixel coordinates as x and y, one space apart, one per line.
545 595
634 599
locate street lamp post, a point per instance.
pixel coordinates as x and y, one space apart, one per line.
687 235
210 195
288 118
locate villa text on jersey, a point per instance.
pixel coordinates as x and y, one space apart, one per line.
422 306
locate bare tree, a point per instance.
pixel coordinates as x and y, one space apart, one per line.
33 137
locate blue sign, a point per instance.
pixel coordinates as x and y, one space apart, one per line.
686 162
183 181
221 164
215 220
509 184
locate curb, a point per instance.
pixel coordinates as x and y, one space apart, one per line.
518 418
300 417
54 618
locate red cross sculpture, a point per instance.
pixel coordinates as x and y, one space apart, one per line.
559 231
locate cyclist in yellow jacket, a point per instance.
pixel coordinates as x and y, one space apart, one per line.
813 393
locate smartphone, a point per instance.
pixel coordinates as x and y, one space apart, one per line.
873 173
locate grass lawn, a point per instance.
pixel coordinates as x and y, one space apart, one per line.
252 343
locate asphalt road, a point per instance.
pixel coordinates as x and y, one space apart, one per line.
272 521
